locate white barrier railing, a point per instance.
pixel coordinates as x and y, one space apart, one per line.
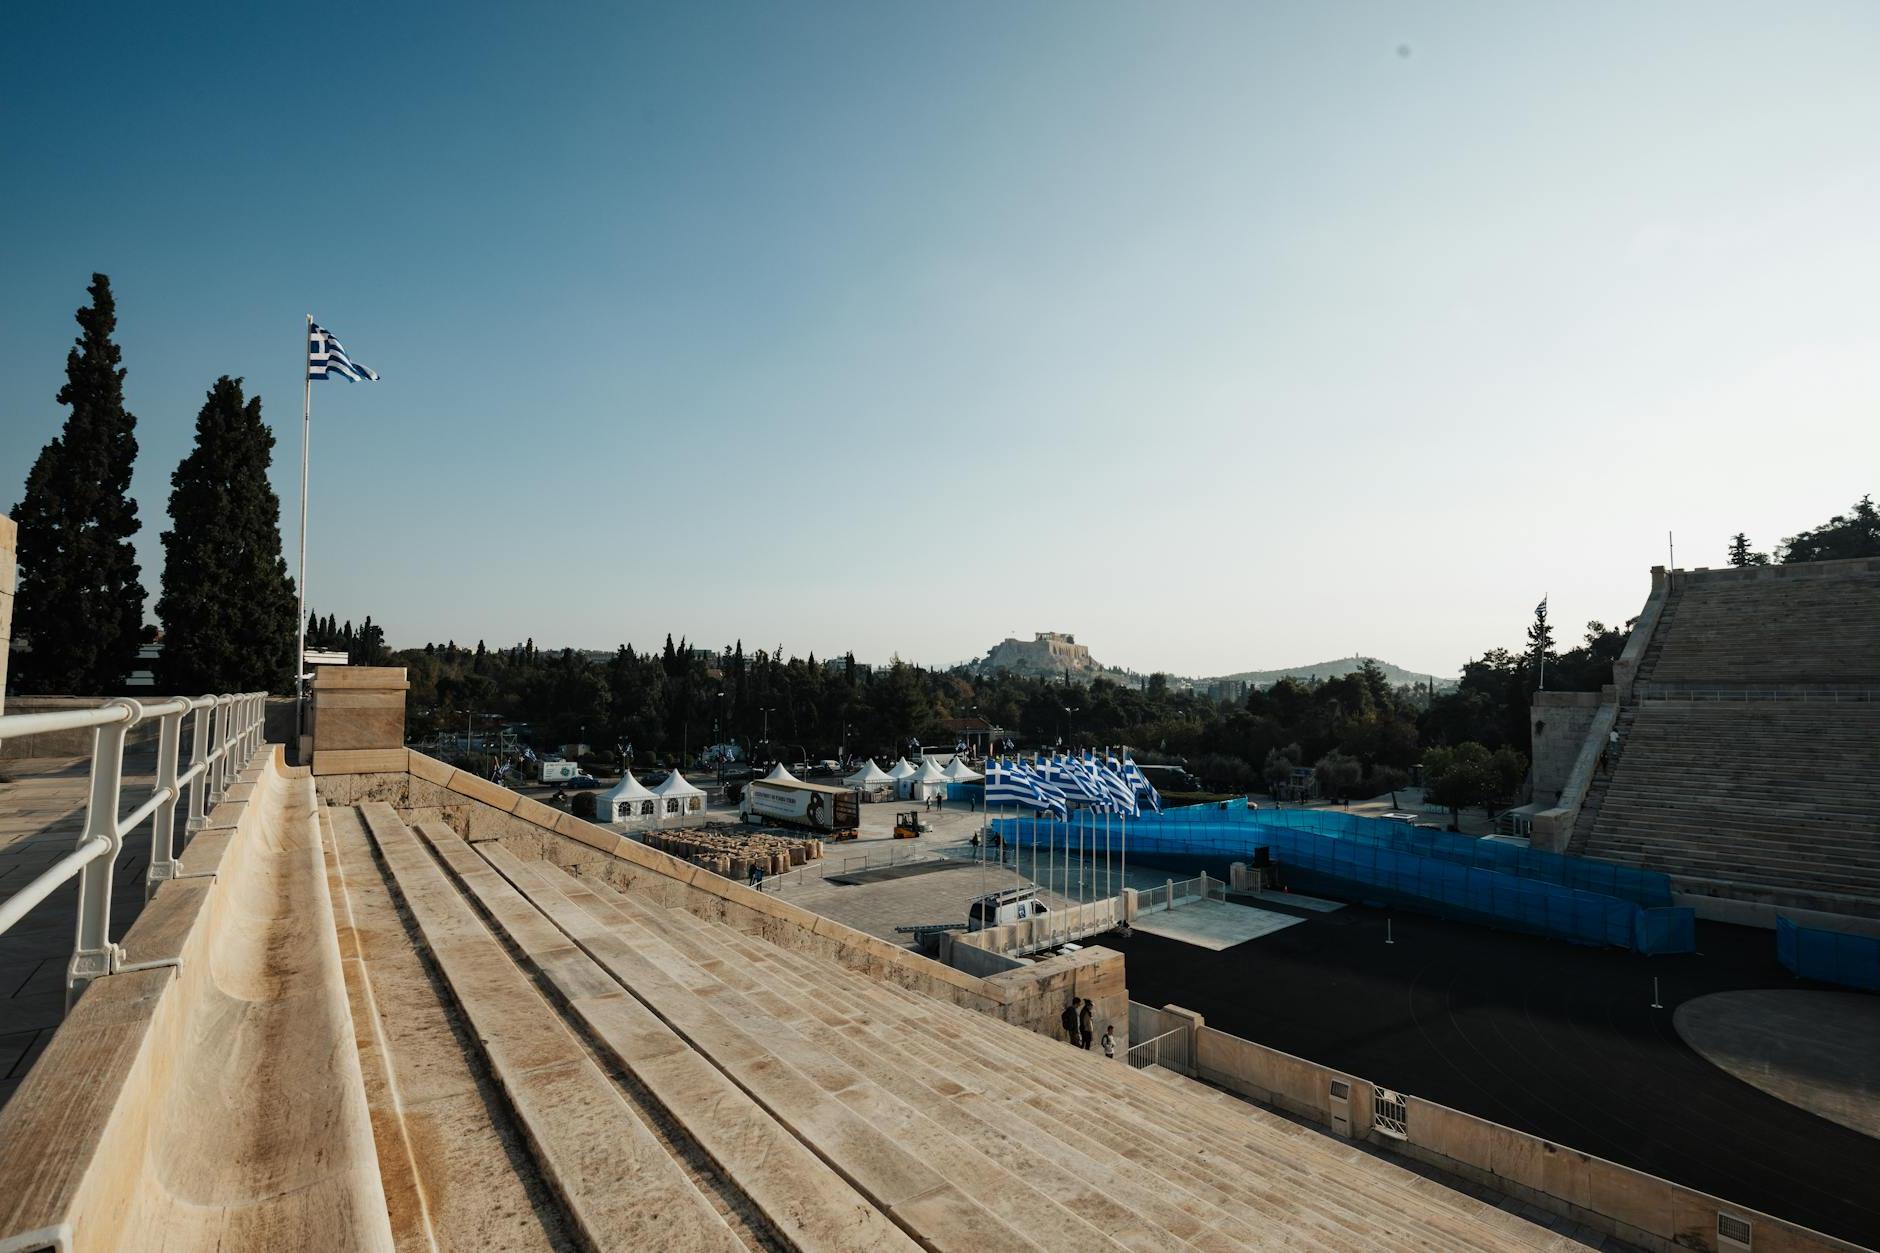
1172 1050
1174 893
224 732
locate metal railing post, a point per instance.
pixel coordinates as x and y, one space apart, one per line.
198 756
94 955
224 722
163 822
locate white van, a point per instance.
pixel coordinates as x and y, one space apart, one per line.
997 908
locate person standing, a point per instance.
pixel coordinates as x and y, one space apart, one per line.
1109 1042
1083 1025
1069 1020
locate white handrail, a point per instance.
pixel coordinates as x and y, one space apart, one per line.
225 732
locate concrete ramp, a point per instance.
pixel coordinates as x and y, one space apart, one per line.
214 1102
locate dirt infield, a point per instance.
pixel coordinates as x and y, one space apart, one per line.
1550 1038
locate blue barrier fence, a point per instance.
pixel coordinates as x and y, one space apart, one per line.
1391 863
1642 887
1850 960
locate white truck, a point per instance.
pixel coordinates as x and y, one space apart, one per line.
833 811
557 771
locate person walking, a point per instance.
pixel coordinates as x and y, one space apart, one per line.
1069 1020
1109 1042
757 877
1083 1025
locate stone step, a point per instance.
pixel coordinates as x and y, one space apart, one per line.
423 1089
918 1196
837 1008
619 1186
798 1195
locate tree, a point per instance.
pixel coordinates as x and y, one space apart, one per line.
228 604
81 607
1740 554
1337 774
1457 778
1853 534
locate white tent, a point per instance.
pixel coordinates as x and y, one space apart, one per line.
629 799
901 770
957 771
870 776
678 799
779 775
926 782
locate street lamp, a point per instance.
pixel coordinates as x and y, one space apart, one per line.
768 710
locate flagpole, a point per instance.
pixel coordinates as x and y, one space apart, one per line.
300 582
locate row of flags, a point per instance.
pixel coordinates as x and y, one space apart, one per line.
1104 784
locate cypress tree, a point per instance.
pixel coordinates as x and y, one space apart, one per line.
228 603
80 604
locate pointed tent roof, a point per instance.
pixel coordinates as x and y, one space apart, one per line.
930 773
901 769
779 775
869 775
958 771
628 789
674 784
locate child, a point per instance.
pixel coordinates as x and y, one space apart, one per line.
1109 1042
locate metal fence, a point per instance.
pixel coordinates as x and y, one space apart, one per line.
1172 1050
224 732
842 863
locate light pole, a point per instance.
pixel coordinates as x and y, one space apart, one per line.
768 710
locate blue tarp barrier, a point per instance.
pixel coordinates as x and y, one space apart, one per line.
1852 961
1668 930
1393 863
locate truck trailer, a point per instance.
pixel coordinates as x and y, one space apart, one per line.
558 771
833 811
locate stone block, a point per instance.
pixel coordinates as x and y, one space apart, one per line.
358 761
483 791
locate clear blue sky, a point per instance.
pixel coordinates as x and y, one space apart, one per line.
1225 336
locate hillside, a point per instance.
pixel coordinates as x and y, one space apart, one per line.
1330 670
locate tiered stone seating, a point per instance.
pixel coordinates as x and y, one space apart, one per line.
1807 626
745 1095
1775 793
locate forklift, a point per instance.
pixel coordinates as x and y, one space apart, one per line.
907 824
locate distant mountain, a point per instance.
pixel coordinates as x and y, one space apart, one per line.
1056 654
1397 675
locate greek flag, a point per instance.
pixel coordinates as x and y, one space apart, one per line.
1080 782
1139 783
326 359
1118 782
1012 783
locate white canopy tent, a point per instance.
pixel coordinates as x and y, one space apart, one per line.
927 782
779 775
957 771
870 775
629 799
902 769
678 800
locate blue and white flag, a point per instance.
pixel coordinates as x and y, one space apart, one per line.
1118 782
1009 784
326 359
1052 796
1079 780
1140 784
